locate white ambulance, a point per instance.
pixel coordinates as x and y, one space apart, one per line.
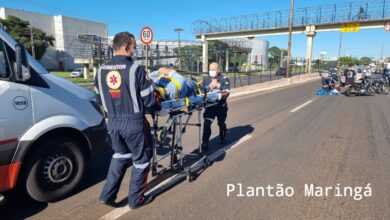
49 127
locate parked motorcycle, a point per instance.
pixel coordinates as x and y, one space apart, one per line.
379 83
360 87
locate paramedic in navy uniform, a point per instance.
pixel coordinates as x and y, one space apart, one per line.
215 81
125 92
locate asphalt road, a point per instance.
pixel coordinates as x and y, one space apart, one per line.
290 137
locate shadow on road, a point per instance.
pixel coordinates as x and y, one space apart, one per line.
234 135
21 206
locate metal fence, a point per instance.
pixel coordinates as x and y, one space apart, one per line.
340 12
264 74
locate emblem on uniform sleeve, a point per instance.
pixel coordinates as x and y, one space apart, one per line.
114 82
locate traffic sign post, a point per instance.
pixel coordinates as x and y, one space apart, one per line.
146 38
387 26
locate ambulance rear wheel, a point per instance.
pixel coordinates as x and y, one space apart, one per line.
55 170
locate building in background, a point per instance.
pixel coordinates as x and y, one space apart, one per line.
164 53
65 30
259 52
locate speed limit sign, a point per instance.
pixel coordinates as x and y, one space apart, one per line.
387 26
146 35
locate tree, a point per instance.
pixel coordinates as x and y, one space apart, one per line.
21 32
274 55
216 50
365 61
190 55
344 61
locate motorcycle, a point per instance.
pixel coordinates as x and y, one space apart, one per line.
379 83
360 87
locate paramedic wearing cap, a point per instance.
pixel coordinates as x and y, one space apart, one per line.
126 93
213 82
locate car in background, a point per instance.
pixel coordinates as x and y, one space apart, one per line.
281 71
79 72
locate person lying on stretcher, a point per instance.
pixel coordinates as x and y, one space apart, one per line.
171 85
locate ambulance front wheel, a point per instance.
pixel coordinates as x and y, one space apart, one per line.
55 169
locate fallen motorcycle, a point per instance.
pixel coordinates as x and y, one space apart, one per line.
363 87
379 83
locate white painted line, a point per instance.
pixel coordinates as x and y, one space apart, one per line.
160 184
118 212
242 140
217 154
301 106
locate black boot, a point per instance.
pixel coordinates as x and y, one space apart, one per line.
222 135
205 146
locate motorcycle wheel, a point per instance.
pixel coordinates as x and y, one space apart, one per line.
371 91
384 90
349 92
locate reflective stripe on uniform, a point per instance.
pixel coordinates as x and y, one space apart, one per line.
133 87
96 90
210 119
121 156
101 89
141 166
147 91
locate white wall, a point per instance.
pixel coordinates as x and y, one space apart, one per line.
71 27
64 29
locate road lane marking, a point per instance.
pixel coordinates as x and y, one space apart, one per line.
119 212
301 106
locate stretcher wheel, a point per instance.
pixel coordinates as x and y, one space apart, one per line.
161 138
175 159
154 171
206 162
189 175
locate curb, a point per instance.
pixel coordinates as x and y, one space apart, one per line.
247 90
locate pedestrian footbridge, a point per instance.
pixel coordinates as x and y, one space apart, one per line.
351 16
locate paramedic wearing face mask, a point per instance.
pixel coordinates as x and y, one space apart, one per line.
214 82
125 92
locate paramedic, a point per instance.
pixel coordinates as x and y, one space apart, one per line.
125 92
213 82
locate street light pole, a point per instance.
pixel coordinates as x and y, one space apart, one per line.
289 38
178 30
341 41
32 42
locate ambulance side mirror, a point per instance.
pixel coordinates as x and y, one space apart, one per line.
22 68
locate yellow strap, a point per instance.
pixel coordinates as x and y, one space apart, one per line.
199 90
176 83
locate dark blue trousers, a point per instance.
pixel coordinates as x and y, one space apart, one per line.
129 148
219 111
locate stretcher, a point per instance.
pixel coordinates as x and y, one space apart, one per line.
168 137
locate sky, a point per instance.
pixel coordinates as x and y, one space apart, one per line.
164 16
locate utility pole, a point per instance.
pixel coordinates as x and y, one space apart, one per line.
341 41
281 57
289 38
178 30
383 45
32 42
